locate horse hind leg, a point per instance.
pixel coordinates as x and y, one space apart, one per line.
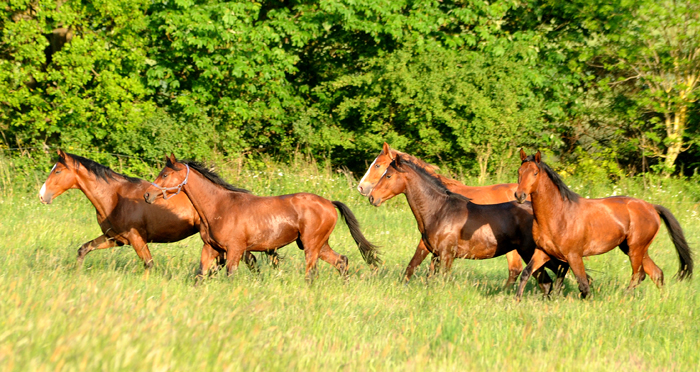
654 272
339 261
642 264
251 262
515 267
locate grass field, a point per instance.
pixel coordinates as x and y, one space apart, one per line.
110 315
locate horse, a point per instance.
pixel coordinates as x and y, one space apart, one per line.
234 221
123 216
493 194
568 227
453 227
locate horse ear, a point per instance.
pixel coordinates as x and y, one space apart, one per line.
523 155
60 153
397 161
172 158
386 149
538 157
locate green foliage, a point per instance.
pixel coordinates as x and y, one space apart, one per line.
458 83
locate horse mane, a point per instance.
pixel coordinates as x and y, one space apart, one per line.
565 191
430 168
209 174
432 179
419 162
100 171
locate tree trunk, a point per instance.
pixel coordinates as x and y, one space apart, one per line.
482 157
675 129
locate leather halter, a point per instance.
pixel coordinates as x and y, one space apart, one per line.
178 187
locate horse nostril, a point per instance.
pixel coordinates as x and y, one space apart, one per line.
371 199
360 188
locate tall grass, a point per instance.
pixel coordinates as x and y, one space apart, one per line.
111 315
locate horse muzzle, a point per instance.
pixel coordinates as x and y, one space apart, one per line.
520 197
150 198
43 201
363 189
45 197
375 202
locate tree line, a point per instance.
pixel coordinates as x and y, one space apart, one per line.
606 87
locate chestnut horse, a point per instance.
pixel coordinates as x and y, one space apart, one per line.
493 194
568 227
453 227
234 221
123 216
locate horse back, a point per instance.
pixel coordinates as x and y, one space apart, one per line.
493 194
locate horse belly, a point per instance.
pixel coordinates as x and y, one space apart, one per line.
275 233
481 244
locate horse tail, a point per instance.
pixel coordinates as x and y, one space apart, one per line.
674 229
368 250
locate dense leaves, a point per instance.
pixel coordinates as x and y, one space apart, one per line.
611 86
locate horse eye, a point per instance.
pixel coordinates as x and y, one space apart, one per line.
388 176
165 176
57 172
377 166
536 173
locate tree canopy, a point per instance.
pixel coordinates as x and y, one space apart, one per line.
461 83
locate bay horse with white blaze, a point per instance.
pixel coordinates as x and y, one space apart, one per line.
123 216
234 221
453 227
568 227
492 194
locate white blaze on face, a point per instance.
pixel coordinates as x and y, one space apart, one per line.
43 188
359 186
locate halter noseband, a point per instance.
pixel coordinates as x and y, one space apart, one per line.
178 187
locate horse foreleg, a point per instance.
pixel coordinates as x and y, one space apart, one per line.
576 264
233 258
418 257
208 256
141 249
101 242
538 259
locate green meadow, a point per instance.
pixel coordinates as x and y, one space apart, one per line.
111 315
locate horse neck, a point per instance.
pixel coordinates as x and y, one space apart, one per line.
204 195
423 198
102 194
547 202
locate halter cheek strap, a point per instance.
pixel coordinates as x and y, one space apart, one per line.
178 187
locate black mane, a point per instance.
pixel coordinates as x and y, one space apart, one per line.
209 174
565 191
100 171
431 179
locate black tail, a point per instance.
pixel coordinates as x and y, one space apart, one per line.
684 254
368 250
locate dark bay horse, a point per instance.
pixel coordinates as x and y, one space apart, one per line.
234 221
493 194
123 216
452 226
568 227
